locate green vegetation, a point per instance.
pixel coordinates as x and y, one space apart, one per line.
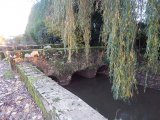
71 21
153 33
35 25
8 74
2 56
120 50
29 81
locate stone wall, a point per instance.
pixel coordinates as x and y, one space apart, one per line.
56 102
54 62
28 47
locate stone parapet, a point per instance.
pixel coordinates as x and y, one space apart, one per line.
56 102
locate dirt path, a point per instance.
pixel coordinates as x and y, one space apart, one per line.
15 102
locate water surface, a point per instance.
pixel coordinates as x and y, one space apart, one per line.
97 93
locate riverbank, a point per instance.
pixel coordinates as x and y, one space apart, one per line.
15 101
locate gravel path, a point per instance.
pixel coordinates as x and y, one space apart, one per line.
15 101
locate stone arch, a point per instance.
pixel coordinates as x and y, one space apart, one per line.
104 69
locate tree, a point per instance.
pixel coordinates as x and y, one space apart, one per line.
71 20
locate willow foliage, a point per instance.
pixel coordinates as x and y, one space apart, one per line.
107 19
55 16
84 16
121 28
70 26
71 21
153 42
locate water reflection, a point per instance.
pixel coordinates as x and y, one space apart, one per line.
97 93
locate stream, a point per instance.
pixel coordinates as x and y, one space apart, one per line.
97 93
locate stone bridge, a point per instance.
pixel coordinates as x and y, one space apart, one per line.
54 61
55 102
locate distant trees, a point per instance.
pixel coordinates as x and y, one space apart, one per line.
37 27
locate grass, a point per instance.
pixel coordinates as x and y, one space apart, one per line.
8 74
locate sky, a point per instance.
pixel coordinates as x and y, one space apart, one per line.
14 16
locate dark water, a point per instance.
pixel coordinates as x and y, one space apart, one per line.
97 93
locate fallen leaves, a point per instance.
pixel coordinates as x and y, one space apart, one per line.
15 101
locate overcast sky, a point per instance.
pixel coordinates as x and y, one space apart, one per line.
14 16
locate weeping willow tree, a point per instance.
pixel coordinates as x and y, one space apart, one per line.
85 10
71 21
119 33
153 42
121 29
55 16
